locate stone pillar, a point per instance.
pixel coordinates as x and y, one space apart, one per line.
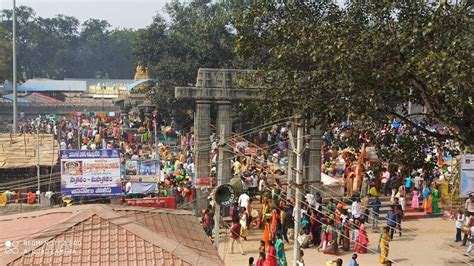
223 120
201 150
315 145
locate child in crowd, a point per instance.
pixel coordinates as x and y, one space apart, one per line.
251 259
415 204
460 217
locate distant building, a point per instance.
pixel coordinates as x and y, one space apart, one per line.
58 89
104 88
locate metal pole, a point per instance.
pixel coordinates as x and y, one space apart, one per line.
220 179
291 161
15 118
195 170
79 135
299 166
38 164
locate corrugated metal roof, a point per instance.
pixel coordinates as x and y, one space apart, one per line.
33 85
20 100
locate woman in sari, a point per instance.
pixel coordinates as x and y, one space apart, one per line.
315 228
346 239
266 218
362 241
243 223
280 251
271 255
435 196
427 199
266 210
414 200
383 246
275 225
332 247
267 235
323 241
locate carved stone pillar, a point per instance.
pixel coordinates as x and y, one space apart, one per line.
201 149
224 120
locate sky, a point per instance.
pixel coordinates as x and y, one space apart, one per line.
133 14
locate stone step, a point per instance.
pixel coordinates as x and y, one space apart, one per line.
421 215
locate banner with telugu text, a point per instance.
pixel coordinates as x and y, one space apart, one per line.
90 173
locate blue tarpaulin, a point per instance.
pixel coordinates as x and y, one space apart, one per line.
37 85
9 97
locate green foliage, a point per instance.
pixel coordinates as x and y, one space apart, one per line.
365 60
5 57
198 36
56 48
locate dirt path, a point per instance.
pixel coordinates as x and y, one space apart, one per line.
429 242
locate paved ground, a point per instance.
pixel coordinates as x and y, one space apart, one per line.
426 242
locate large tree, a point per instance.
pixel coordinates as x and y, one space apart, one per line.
55 47
5 56
366 60
196 36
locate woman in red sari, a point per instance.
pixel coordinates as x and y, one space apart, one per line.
271 256
362 240
275 221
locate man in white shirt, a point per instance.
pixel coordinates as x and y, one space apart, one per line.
470 205
128 187
244 200
355 209
460 218
310 200
253 185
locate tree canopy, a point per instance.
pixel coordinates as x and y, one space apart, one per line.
366 60
60 47
198 35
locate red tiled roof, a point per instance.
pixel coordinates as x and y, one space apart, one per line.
102 235
183 229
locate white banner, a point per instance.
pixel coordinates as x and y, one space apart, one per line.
89 173
467 174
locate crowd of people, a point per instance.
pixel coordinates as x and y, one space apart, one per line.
337 224
330 228
144 138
